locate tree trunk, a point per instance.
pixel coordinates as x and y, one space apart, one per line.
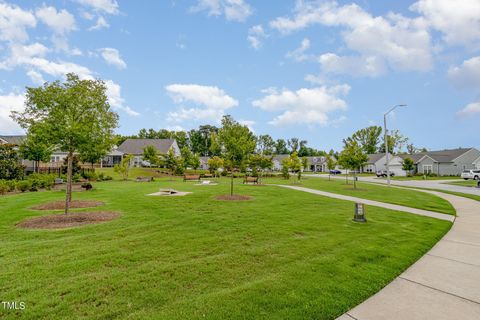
355 179
346 176
231 185
68 197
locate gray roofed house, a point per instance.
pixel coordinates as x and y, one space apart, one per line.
450 162
135 147
16 140
378 162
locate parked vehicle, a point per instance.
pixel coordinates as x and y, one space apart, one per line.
383 173
471 174
335 172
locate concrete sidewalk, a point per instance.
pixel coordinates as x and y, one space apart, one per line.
443 285
420 212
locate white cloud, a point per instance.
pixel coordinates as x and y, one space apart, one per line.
116 100
9 103
100 24
304 106
470 110
467 75
211 102
36 77
248 123
14 21
255 36
459 21
112 56
400 42
354 65
61 22
299 53
234 10
104 6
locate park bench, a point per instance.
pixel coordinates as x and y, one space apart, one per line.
251 179
191 177
144 179
208 175
58 181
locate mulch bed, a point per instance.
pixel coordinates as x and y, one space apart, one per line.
60 221
60 205
235 197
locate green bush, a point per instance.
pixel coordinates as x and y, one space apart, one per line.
90 175
107 178
11 184
101 176
24 185
41 181
3 187
77 177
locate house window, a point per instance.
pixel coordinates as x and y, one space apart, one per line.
427 168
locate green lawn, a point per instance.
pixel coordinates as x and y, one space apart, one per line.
405 197
465 183
281 255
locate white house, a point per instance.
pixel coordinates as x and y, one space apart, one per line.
135 147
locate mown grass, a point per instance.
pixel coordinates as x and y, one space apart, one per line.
404 197
464 183
281 255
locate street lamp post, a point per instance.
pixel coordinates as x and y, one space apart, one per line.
386 139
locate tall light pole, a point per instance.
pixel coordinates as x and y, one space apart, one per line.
386 138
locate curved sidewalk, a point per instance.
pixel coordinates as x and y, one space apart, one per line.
420 212
443 285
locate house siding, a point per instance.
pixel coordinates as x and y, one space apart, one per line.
466 161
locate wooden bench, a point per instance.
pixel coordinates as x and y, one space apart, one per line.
191 177
144 179
251 179
208 176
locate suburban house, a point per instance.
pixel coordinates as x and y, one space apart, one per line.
315 164
135 147
445 162
378 162
17 141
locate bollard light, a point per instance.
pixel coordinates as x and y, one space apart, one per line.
359 213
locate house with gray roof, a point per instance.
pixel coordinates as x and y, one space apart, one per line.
449 162
135 148
15 140
378 162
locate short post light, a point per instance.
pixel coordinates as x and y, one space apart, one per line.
359 213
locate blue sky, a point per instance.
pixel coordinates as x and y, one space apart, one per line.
317 70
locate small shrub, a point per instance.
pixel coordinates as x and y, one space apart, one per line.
11 184
101 176
76 177
107 178
3 187
87 186
24 185
89 175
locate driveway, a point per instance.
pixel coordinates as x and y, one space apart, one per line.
428 184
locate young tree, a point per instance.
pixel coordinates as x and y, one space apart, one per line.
214 164
331 164
237 143
35 149
396 141
353 157
286 168
70 115
262 162
195 161
9 165
296 165
294 144
408 165
187 156
151 154
96 151
173 162
123 167
305 163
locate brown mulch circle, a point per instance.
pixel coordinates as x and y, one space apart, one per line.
60 205
60 221
235 197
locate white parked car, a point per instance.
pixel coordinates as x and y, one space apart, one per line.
471 174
